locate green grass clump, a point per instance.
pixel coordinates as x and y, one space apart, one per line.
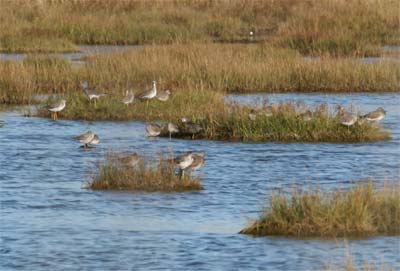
147 176
359 212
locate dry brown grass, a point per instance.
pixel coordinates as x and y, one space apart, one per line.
338 27
224 68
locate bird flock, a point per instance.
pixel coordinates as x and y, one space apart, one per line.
188 161
343 116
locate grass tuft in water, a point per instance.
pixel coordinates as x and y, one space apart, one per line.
360 212
147 175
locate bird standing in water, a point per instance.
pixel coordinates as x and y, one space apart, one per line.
85 138
56 107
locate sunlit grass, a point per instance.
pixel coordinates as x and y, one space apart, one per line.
311 27
360 212
222 68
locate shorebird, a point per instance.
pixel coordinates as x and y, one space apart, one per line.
172 129
252 115
191 127
183 162
129 97
148 94
91 93
95 140
375 116
306 116
56 107
130 160
348 119
153 129
198 161
163 95
85 138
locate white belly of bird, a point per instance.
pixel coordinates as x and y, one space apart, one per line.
95 141
87 139
376 119
57 109
186 163
349 122
150 95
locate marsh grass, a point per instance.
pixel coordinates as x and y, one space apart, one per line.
218 67
313 27
360 212
220 120
147 176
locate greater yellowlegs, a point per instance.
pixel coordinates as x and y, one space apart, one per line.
95 140
183 162
91 93
153 129
148 94
163 95
376 115
198 161
85 138
191 127
172 129
348 119
130 160
56 107
129 97
252 115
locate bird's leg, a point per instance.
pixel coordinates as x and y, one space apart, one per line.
170 136
56 115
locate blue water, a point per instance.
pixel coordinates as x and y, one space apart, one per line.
49 221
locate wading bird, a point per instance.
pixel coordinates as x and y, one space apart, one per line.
85 138
91 93
376 115
130 160
191 127
153 129
148 94
95 140
183 162
198 161
56 107
129 97
172 129
163 95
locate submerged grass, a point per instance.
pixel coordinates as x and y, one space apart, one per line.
218 67
336 27
359 212
147 176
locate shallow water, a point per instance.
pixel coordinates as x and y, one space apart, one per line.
50 222
76 59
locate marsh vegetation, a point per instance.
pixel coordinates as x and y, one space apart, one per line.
360 212
131 172
310 27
